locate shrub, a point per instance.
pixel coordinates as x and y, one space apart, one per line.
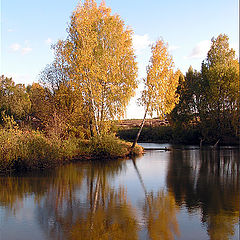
27 150
34 150
24 150
109 146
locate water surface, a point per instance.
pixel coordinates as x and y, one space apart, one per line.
179 194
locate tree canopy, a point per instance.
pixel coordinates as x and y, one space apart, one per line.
160 85
98 60
209 99
161 82
14 99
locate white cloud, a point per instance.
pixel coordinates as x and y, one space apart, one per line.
172 48
15 47
200 50
49 41
141 42
26 42
26 50
10 30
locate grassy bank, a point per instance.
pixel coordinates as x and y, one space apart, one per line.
25 150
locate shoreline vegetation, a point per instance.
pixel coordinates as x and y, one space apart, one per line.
23 150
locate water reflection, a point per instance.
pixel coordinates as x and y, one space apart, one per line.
159 212
93 211
82 200
208 181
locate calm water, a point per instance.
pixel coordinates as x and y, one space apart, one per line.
179 194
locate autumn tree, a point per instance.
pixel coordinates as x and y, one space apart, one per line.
161 83
53 75
41 104
98 60
14 99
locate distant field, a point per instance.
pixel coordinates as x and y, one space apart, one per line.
130 123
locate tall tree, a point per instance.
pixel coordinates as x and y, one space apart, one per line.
210 98
99 61
186 111
161 84
220 71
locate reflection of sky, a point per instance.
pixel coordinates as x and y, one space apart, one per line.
23 224
191 223
152 167
155 145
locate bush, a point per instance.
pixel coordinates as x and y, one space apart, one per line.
110 146
8 143
24 150
27 150
34 150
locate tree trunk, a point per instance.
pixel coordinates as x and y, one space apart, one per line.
91 128
140 130
95 117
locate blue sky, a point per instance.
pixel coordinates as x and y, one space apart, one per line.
28 28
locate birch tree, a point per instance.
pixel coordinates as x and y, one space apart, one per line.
159 95
99 60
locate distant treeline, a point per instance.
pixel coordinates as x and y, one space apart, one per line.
168 134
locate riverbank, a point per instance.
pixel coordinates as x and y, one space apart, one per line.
167 134
27 150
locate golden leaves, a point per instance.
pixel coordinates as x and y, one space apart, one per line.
161 83
99 58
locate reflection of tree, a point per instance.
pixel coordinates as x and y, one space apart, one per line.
221 225
160 216
209 181
112 220
95 211
14 189
159 212
60 182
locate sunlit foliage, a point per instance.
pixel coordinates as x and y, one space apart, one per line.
98 59
14 99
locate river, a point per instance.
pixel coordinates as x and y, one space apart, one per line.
183 193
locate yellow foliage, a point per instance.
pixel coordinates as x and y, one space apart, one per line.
99 60
161 82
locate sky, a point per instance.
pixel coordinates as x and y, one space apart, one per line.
29 27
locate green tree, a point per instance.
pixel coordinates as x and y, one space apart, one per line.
209 100
220 73
14 99
186 111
